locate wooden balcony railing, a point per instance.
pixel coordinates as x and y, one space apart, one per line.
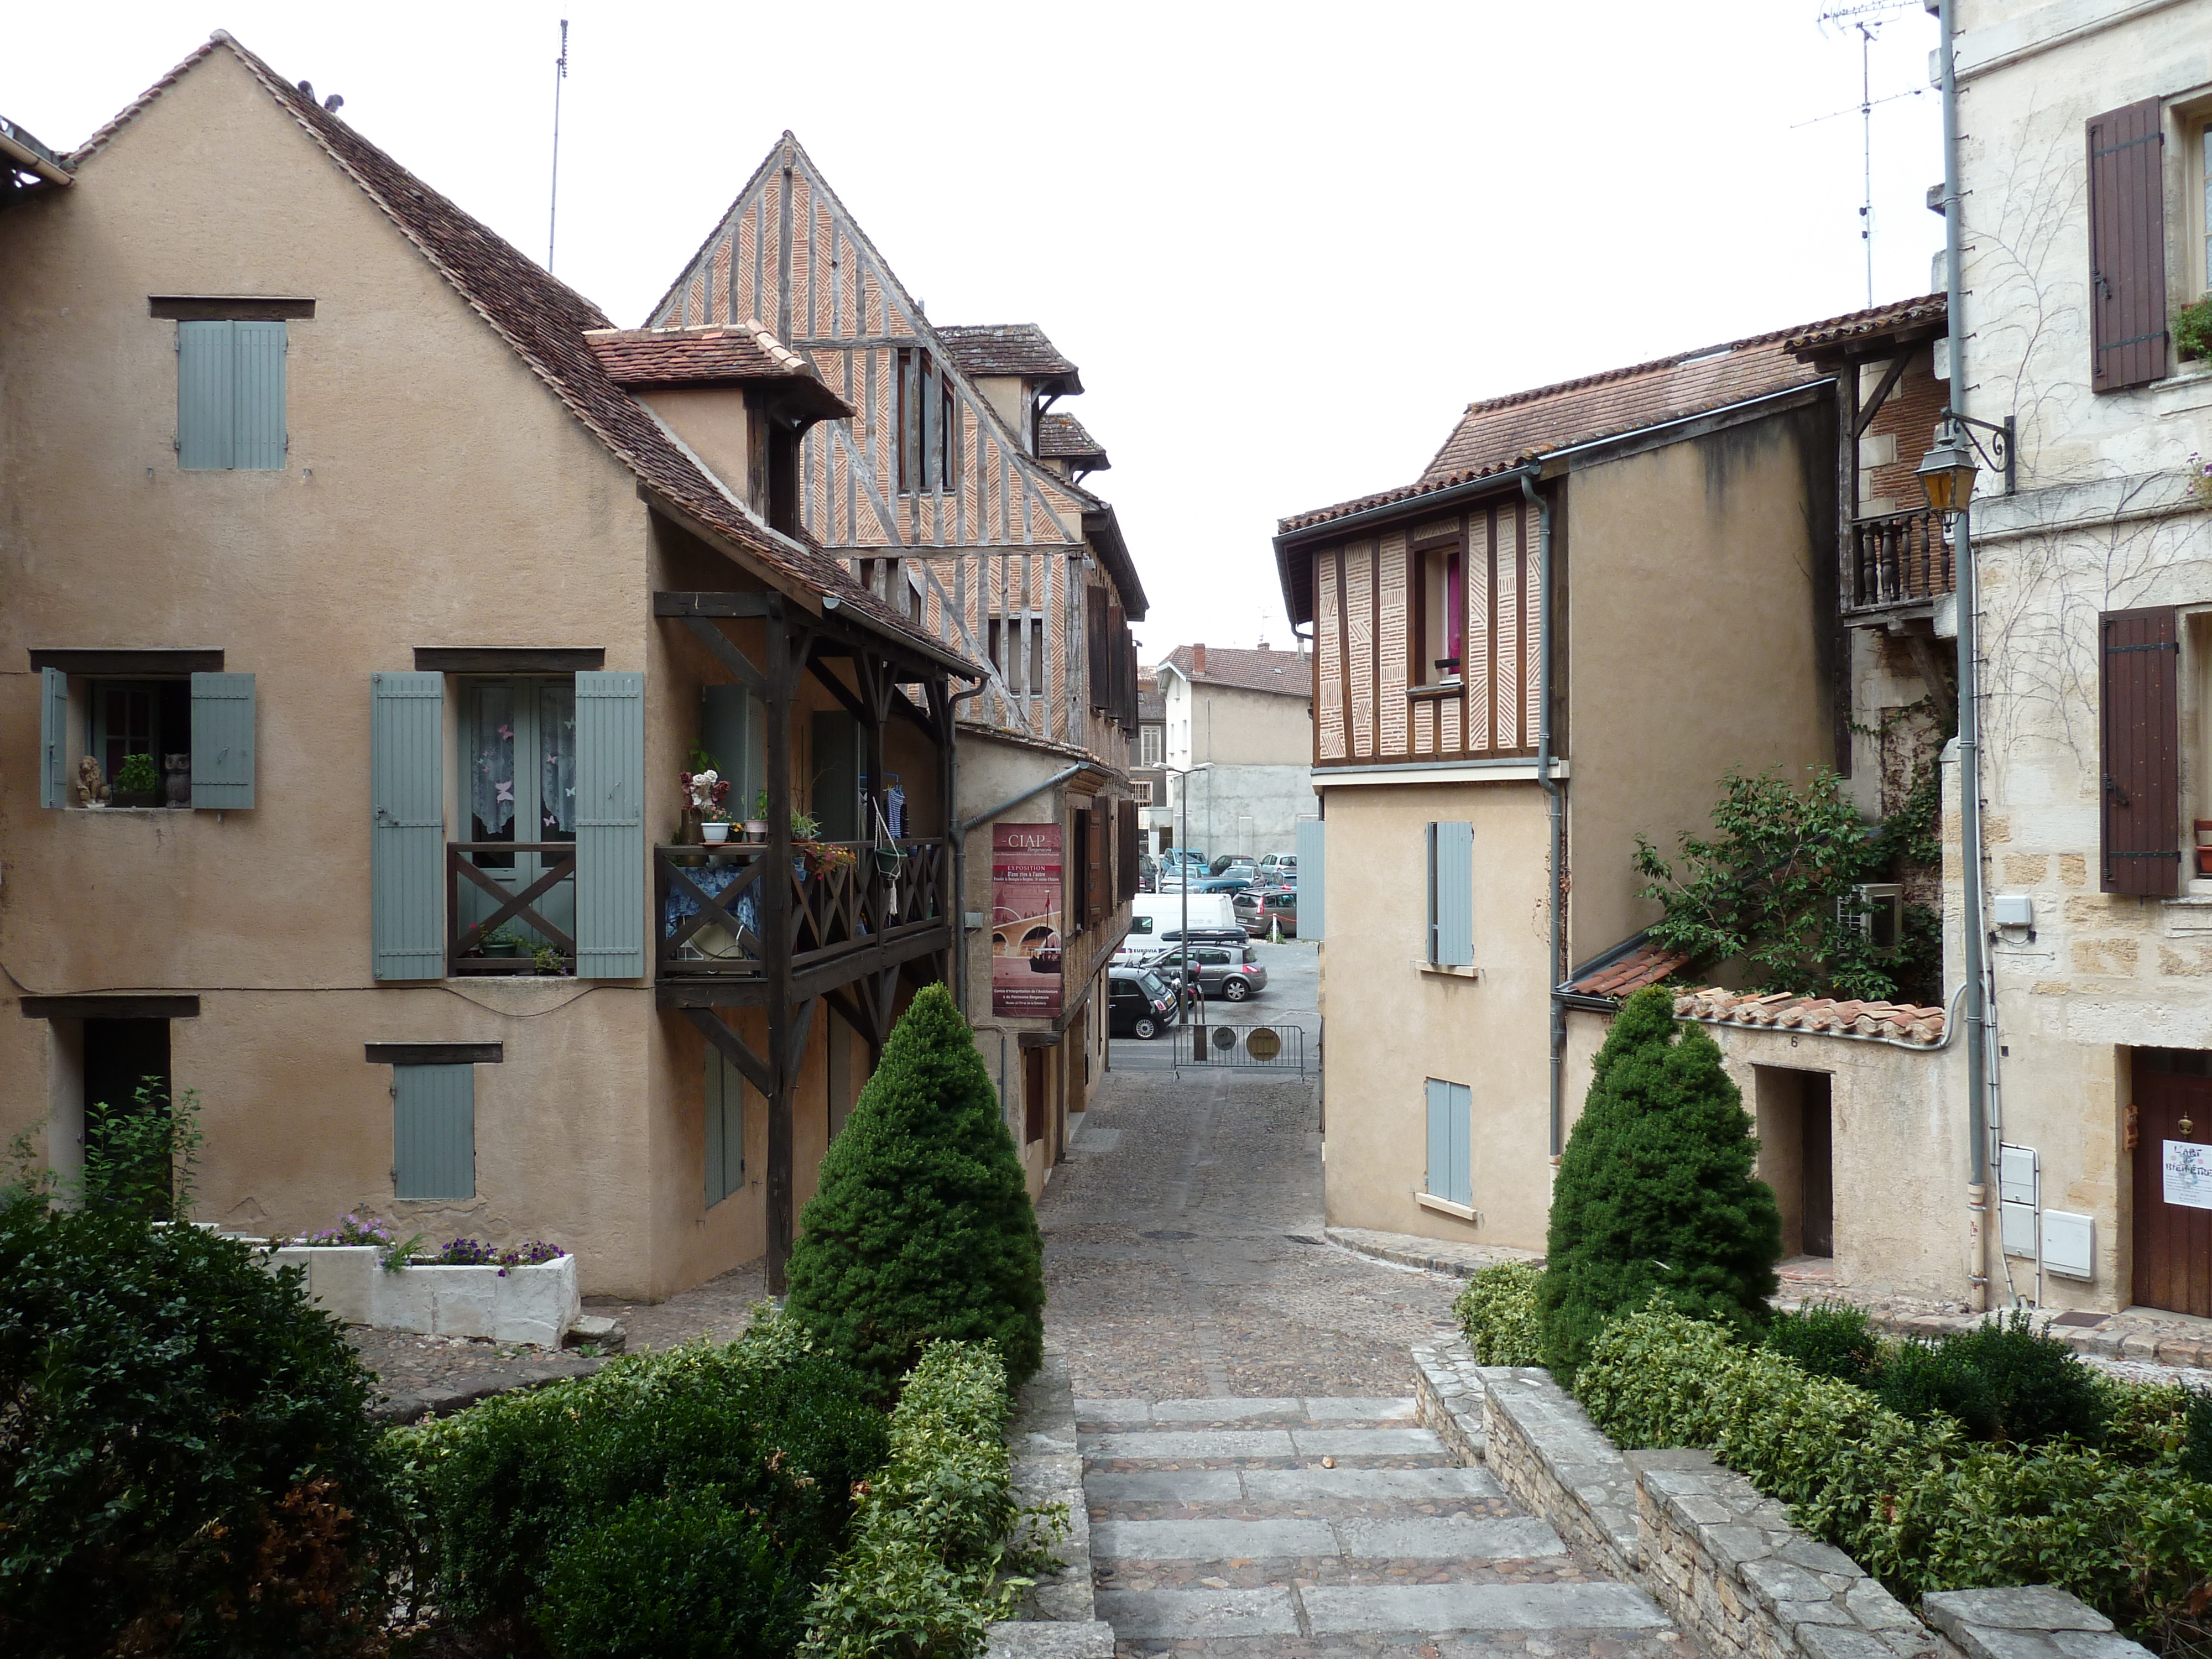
514 909
710 902
1900 558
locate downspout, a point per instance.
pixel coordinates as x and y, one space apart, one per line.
1552 971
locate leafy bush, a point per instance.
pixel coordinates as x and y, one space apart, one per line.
1828 1339
1655 1192
2197 1442
140 1158
921 1228
2002 1380
2192 328
931 1540
1915 1502
684 1578
508 1489
1497 1311
187 1462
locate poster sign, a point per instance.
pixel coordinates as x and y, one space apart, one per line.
1026 895
2189 1174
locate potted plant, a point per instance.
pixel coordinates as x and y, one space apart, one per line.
757 825
549 961
2192 329
501 942
136 783
714 825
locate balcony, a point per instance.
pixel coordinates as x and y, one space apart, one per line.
848 916
1896 561
507 903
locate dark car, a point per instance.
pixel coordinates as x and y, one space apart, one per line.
1148 873
1139 1003
1234 864
1233 882
1228 971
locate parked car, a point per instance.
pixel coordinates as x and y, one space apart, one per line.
1280 864
1233 882
1176 857
1228 971
1148 873
1232 863
1261 907
1139 1003
1169 912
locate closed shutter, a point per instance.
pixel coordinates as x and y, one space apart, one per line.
205 408
1114 635
407 824
1451 1163
53 738
726 1127
222 741
1126 854
836 764
257 433
2127 247
611 826
433 1132
725 732
1128 680
1454 892
1094 889
2139 715
1094 626
1313 876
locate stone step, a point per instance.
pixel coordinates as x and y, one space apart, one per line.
1316 1409
1350 1482
1416 1537
1376 1609
1164 1444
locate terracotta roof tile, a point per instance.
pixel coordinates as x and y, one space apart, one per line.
1628 974
1283 671
1914 314
1062 437
1008 349
1896 1022
545 322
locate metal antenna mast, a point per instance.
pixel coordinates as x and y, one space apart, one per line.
1866 140
560 74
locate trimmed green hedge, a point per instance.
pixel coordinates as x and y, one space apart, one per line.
2123 1527
930 1543
1498 1312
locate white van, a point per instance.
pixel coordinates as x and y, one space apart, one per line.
1155 921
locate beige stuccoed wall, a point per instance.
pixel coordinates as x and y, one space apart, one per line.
1693 618
1391 1025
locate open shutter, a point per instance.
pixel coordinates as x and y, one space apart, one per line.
53 738
2139 711
256 431
223 740
2127 248
726 1127
204 396
1094 628
611 826
1094 889
1451 894
1459 1113
433 1132
1313 876
407 823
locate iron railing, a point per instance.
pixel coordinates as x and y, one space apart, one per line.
1898 558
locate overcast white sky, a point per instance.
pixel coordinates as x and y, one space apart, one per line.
1287 244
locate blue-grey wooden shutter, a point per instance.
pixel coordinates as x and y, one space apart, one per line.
433 1132
223 740
257 432
1451 894
1459 1111
611 826
53 738
205 402
726 1127
724 732
1313 875
1439 1177
407 825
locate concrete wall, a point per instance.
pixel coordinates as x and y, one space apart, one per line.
1391 1024
1253 810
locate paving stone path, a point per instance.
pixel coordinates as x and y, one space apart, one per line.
1255 1480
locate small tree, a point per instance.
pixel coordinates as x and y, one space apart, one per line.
1655 1194
922 1226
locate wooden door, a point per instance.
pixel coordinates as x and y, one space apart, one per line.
1813 1116
2172 1240
1032 1095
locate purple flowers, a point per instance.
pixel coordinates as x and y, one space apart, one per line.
475 1253
351 1230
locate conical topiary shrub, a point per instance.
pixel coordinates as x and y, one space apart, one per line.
1655 1194
921 1227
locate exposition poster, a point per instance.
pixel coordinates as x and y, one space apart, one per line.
1025 913
2188 1174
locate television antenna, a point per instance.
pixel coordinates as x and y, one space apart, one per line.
552 212
1866 19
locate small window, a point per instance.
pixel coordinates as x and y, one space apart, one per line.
928 425
1452 1142
230 396
1143 788
1148 746
726 1127
144 739
1439 618
152 718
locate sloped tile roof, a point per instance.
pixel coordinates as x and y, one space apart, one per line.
1899 1021
1062 437
1625 975
545 322
1283 672
1915 315
716 351
1008 349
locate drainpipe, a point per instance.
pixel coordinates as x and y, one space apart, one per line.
1557 804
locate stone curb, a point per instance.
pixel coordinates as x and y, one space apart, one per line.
1059 1618
1434 1256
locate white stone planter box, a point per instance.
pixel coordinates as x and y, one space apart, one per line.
525 1304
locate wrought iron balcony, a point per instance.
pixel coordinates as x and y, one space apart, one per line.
1896 559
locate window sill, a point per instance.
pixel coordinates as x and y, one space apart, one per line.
1445 1206
1445 970
1431 692
127 811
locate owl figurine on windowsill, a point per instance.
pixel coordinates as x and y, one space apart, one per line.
91 785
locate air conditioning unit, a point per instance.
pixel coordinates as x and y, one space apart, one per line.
1876 910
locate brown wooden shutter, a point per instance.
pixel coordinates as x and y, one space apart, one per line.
1126 888
2127 248
1094 622
2139 715
1094 888
1127 647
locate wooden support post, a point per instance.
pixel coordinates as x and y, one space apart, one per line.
775 941
876 689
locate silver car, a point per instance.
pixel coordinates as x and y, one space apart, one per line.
1231 972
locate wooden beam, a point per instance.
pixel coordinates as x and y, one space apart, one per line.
712 604
1864 417
890 953
128 662
111 1007
433 1054
776 936
507 659
726 653
738 1052
838 689
850 1012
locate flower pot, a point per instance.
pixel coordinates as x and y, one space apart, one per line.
2204 860
140 797
716 834
502 948
756 828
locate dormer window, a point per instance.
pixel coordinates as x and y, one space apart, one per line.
1439 645
928 425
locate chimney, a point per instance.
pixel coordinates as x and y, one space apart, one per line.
1198 660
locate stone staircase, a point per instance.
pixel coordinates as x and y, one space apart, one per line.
1326 1527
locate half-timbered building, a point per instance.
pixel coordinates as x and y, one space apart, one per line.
951 494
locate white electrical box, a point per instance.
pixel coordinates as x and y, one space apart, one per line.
2069 1245
2017 1175
2013 910
2016 1229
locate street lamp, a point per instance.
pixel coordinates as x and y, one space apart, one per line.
1947 471
1183 846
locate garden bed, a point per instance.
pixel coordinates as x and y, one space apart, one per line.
535 1303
